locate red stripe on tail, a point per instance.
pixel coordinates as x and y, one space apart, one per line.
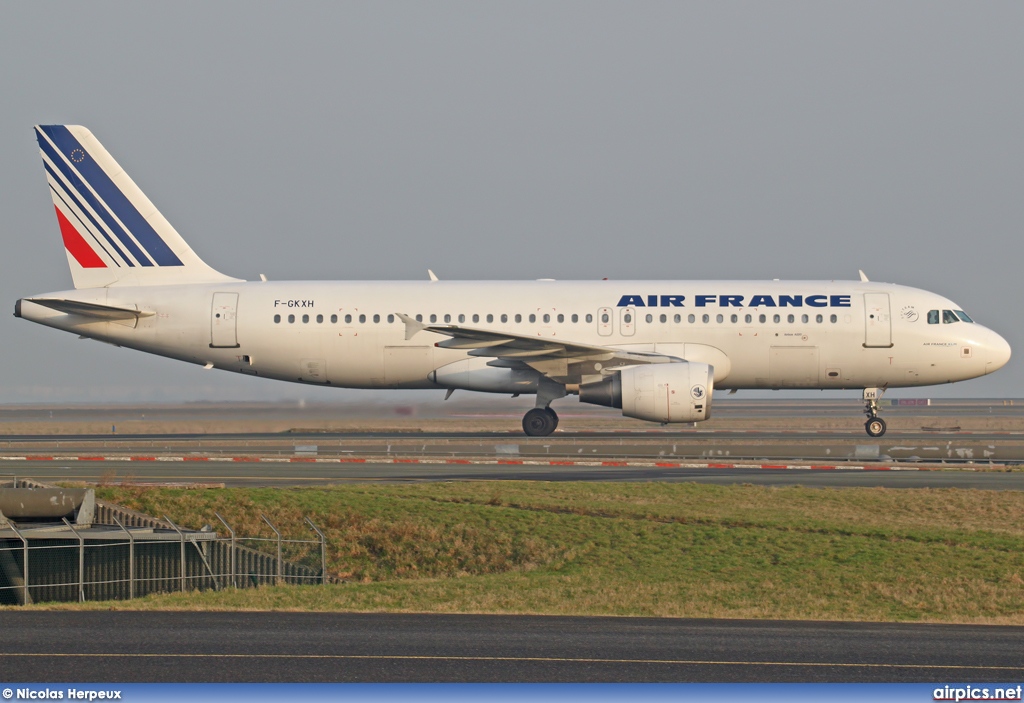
73 242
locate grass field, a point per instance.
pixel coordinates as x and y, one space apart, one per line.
680 550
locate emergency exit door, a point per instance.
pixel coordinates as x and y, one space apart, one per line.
223 320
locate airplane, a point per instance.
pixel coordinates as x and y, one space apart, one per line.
656 350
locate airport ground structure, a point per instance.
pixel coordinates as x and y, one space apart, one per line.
63 545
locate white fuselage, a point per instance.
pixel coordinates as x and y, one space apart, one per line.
756 334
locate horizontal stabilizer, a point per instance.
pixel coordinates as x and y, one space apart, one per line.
94 310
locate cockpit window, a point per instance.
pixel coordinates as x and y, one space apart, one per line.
948 317
963 316
933 317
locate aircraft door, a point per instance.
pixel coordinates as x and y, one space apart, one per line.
877 320
223 320
627 321
604 321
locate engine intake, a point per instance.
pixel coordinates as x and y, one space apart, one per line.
674 392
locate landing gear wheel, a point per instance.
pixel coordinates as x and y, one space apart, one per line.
875 426
540 422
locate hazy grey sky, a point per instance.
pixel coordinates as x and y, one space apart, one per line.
522 140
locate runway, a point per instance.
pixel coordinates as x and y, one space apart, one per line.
312 474
977 458
123 647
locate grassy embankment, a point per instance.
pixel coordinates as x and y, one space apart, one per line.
631 549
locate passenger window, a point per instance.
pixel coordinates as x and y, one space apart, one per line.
277 318
963 316
519 318
762 318
819 318
376 318
348 319
319 318
805 318
575 317
462 318
833 318
691 318
677 318
949 317
533 318
777 318
490 317
447 317
664 318
748 318
734 318
291 318
604 318
433 317
334 319
547 318
719 318
391 318
362 318
650 317
933 317
705 318
561 317
305 318
476 318
791 318
504 317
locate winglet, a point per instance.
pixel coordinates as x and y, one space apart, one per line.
433 276
411 326
863 277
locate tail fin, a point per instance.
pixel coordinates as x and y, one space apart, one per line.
113 234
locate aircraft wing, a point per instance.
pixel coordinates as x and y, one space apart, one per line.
558 359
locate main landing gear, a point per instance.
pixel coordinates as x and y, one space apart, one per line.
540 422
875 426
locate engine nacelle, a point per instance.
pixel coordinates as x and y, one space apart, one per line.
674 392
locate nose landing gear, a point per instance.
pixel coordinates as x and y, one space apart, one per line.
875 426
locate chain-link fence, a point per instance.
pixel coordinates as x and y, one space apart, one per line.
101 562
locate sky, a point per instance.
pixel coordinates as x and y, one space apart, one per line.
522 140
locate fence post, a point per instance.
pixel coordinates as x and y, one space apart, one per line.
131 558
182 536
81 560
279 560
323 551
26 597
234 580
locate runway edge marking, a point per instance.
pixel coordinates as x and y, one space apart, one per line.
476 462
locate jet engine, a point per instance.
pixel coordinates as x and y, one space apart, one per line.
674 392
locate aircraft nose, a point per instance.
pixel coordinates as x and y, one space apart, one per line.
998 354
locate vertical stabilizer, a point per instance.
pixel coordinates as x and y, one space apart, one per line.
113 234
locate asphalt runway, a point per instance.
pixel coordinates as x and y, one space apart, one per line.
310 474
124 647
